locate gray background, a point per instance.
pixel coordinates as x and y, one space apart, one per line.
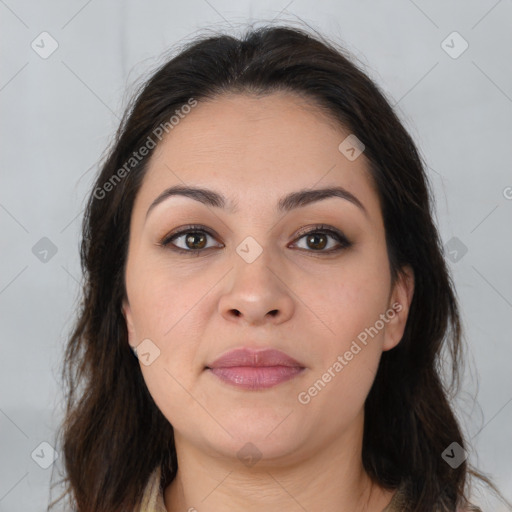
59 113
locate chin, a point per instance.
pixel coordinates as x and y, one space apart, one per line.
261 439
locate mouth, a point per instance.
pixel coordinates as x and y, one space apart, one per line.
256 377
254 370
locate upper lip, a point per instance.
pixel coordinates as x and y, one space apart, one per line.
251 357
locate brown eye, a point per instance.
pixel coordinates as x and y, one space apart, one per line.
317 239
192 239
195 240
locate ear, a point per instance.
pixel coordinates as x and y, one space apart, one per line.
398 308
127 313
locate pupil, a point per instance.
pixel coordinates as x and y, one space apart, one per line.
314 240
192 237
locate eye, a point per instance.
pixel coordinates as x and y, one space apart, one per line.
317 239
193 239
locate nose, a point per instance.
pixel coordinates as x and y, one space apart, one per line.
257 295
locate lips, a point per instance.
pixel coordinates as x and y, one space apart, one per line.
255 369
254 358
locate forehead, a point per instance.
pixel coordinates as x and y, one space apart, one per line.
255 150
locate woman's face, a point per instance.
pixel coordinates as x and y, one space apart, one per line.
252 277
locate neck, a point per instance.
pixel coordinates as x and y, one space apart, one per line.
329 479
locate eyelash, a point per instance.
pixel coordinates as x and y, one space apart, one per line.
319 228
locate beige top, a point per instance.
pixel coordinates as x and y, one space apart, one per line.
153 497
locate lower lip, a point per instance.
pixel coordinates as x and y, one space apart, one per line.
254 378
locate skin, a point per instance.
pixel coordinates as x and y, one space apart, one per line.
255 150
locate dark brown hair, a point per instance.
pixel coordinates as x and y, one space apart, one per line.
113 434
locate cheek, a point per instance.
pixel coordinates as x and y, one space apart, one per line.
342 393
347 299
160 296
350 303
164 309
352 300
171 304
171 379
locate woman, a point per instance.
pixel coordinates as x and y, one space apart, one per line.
261 238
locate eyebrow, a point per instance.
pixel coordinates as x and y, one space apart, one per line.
289 202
